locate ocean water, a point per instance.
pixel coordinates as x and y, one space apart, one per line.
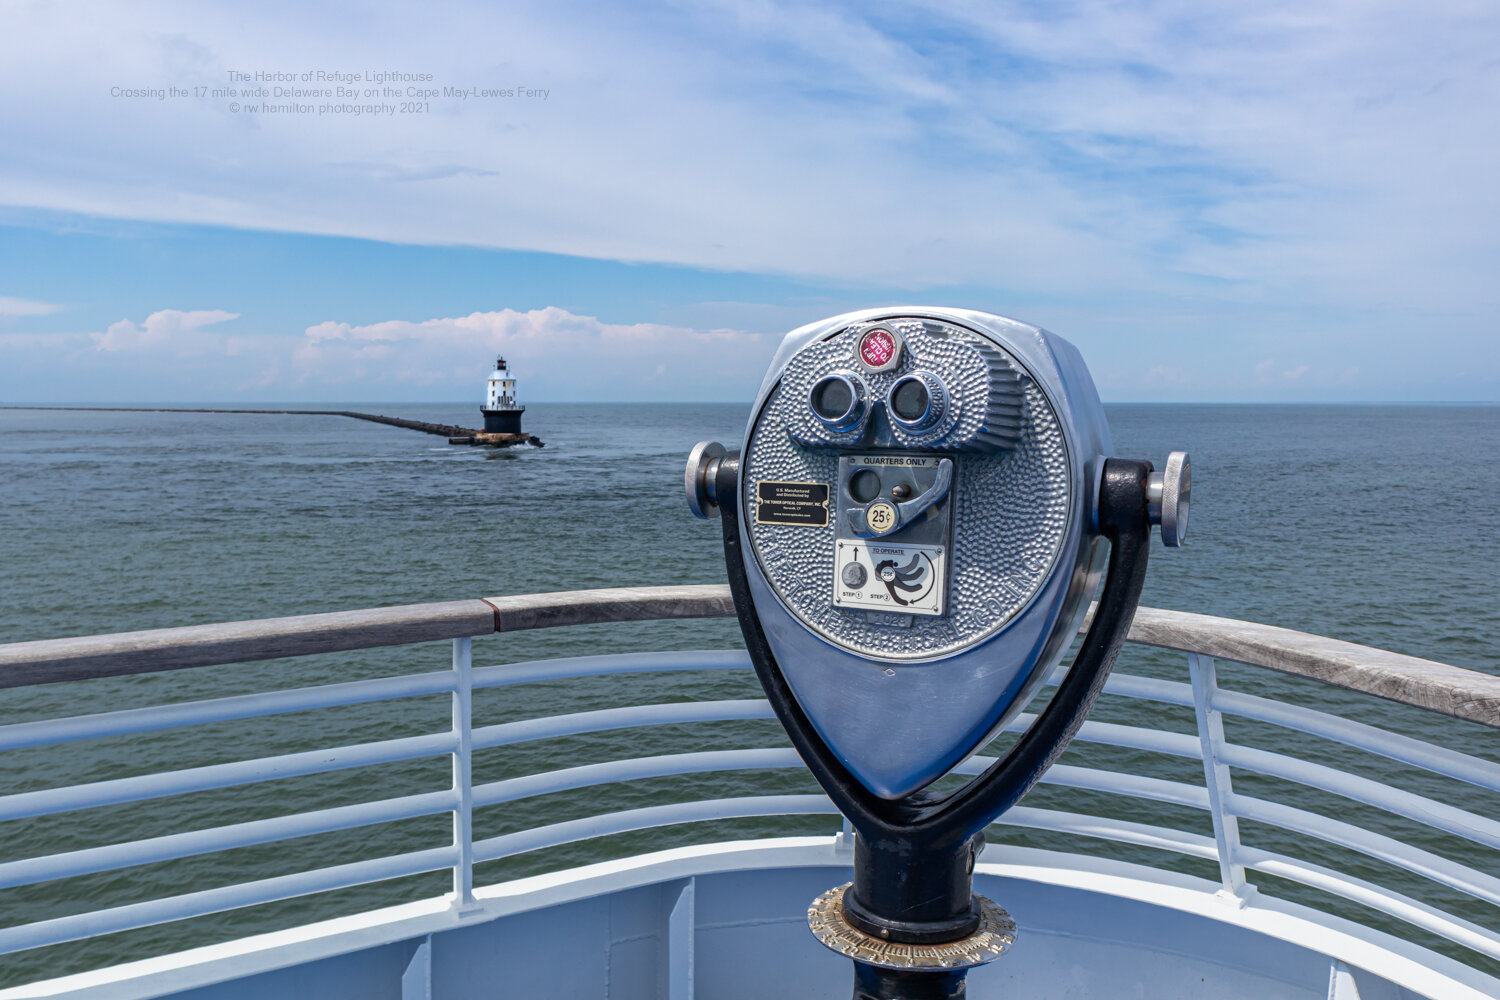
1376 524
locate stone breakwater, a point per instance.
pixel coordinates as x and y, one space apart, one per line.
454 433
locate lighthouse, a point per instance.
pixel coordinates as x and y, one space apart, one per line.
502 415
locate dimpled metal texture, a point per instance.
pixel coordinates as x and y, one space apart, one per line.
1009 521
984 385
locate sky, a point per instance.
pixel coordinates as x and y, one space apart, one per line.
1264 202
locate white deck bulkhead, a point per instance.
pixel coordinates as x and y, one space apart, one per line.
728 922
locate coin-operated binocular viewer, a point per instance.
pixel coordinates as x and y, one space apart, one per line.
913 532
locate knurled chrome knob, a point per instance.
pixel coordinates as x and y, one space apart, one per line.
1167 494
700 478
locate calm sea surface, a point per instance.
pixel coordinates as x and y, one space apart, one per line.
1369 523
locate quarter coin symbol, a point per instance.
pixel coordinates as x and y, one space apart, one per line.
881 516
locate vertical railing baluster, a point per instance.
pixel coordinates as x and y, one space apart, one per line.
843 841
1216 777
682 933
463 783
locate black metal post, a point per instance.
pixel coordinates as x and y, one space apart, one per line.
873 983
913 893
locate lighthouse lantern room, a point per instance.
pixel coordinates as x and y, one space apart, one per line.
502 414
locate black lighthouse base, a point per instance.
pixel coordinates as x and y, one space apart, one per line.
503 421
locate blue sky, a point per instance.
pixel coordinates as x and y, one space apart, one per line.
1283 202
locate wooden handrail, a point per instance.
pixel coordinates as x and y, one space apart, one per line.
1409 680
47 661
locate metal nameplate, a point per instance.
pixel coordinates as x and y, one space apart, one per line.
804 504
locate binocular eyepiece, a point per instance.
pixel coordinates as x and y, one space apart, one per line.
915 402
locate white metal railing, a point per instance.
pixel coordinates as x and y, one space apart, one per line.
1476 695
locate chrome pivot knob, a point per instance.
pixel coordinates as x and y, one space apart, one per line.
1167 495
701 477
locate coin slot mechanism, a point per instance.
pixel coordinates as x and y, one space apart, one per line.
904 571
864 485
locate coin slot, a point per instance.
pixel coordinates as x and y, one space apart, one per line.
864 485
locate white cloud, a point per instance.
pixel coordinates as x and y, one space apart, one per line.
1309 381
14 307
1297 179
559 353
170 354
170 331
1320 152
556 354
1164 375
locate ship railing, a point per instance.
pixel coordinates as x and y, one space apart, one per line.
1451 847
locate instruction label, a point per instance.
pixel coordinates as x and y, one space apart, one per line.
791 503
905 579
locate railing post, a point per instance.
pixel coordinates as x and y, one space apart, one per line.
843 841
1216 778
682 932
463 784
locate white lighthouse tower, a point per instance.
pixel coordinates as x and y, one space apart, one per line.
502 414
